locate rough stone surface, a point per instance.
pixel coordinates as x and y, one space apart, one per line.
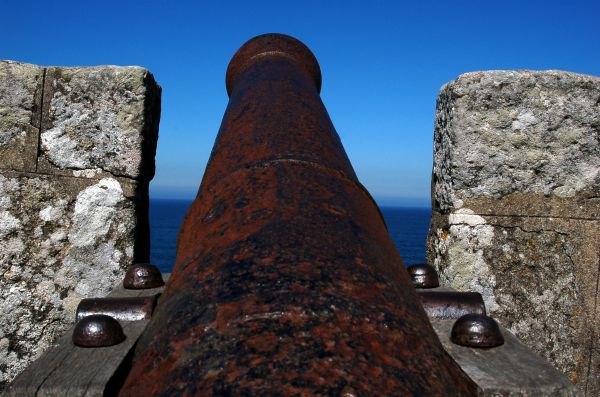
95 119
516 207
76 156
20 96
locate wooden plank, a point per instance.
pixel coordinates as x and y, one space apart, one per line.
510 369
28 382
67 370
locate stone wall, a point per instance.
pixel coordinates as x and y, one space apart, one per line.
516 207
77 152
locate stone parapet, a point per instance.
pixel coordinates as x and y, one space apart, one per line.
516 207
77 150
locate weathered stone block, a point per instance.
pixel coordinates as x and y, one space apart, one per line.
20 101
516 207
73 213
99 119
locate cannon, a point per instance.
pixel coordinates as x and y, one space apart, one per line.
286 281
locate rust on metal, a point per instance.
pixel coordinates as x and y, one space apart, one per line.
98 330
451 304
423 276
143 276
286 281
476 330
122 309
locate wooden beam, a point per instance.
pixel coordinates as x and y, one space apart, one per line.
67 370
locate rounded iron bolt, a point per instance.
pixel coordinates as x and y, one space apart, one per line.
423 276
476 330
143 276
98 330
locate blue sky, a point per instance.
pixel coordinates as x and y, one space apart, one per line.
383 63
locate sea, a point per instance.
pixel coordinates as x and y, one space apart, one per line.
407 226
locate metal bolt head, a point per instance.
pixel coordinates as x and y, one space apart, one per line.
143 276
423 276
130 308
476 330
98 330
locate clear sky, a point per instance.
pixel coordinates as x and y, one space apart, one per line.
383 63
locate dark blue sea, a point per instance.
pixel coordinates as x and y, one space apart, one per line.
407 226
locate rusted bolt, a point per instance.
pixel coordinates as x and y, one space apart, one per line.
451 304
98 330
423 276
132 308
476 330
143 276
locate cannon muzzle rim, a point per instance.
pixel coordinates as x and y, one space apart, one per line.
268 45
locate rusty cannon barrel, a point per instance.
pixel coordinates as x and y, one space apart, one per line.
286 280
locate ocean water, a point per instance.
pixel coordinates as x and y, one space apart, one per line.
407 227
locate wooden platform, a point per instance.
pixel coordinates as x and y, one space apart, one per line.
67 370
511 369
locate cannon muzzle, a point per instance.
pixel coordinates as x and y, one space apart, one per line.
286 280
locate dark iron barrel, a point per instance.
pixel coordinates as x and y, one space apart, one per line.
286 280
